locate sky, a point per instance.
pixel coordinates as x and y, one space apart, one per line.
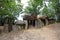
24 2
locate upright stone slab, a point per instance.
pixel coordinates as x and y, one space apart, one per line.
6 28
26 24
1 29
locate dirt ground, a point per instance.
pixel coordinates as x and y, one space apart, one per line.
50 32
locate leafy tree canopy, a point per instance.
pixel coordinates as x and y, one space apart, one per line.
32 6
10 7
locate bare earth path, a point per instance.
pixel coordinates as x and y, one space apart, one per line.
50 32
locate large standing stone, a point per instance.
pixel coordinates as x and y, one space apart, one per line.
1 29
26 24
6 28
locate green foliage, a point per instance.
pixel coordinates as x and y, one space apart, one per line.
9 7
49 10
56 6
32 8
